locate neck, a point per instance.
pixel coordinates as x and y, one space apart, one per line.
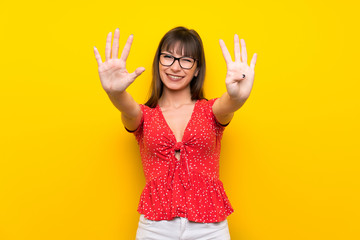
175 98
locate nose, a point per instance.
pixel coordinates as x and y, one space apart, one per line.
176 65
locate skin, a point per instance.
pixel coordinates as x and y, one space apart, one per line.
176 70
175 101
238 88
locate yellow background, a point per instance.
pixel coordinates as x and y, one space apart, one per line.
290 157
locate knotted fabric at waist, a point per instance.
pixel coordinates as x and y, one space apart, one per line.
180 165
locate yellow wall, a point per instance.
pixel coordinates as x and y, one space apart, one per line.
290 157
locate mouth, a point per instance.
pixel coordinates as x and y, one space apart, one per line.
174 77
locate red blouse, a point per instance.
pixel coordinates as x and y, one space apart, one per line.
189 187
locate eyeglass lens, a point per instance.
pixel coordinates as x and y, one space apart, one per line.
168 60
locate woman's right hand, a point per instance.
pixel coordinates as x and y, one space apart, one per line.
113 74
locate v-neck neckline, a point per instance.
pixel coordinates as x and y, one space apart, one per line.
168 126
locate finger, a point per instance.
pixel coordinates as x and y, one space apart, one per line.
225 52
97 56
243 51
126 50
115 47
253 61
237 48
108 46
137 72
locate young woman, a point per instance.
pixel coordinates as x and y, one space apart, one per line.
179 133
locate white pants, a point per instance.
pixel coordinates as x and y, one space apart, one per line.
181 229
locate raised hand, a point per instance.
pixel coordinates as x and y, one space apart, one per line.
113 74
239 77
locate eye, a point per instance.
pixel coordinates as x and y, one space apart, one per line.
167 56
188 60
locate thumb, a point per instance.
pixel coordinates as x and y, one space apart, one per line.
137 72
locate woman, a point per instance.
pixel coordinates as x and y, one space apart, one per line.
179 133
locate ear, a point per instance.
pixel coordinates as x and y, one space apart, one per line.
197 72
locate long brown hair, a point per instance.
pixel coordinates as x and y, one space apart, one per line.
189 42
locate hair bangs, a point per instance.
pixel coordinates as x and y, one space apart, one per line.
185 45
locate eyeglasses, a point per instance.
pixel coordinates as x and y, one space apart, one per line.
168 60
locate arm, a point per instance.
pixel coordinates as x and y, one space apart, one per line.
239 81
115 79
225 107
130 110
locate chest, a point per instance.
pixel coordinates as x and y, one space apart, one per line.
193 126
178 119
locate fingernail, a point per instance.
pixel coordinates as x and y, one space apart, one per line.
117 29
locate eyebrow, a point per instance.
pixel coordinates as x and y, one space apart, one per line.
165 51
171 51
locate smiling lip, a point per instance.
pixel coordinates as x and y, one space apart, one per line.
174 77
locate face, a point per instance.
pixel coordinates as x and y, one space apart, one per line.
174 77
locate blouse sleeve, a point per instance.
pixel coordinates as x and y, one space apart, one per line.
138 131
216 122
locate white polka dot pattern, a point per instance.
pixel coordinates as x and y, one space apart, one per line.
189 187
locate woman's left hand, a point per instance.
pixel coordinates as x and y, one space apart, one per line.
238 86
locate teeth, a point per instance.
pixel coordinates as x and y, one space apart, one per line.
175 77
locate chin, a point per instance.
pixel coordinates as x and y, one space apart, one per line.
175 86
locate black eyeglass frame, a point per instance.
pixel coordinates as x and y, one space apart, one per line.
174 59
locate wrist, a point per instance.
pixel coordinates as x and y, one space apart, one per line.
115 93
238 98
